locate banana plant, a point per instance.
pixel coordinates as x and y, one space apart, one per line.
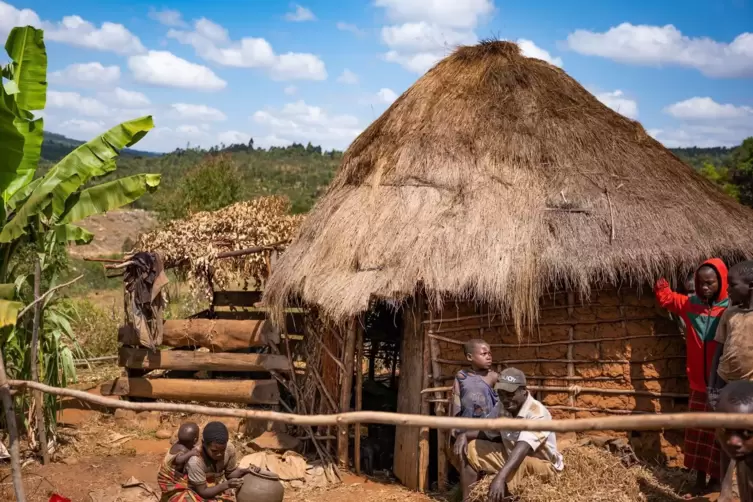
39 213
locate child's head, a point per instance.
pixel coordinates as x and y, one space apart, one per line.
736 397
188 434
740 283
478 353
707 282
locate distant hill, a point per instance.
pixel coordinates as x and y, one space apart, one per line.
697 157
56 146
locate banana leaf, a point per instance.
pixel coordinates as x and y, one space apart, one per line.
12 142
106 196
72 233
28 67
67 176
9 312
27 87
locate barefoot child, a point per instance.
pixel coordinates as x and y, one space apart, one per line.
701 313
172 476
737 397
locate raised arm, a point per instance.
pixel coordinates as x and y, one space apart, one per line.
197 479
184 456
674 302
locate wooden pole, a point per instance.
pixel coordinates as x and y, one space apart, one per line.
440 410
138 358
423 435
179 389
38 397
650 422
10 420
346 388
359 397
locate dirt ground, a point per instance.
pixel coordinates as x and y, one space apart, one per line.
99 449
112 229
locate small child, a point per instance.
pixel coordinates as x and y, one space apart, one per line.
473 391
172 477
733 359
737 397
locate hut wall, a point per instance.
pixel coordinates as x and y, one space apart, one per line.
616 340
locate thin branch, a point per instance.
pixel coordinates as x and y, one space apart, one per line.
652 421
47 293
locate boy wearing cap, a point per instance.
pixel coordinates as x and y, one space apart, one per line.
512 455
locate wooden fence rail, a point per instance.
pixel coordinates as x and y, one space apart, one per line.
616 423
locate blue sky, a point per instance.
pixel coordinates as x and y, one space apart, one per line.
321 71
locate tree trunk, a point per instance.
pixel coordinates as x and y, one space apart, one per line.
10 420
38 397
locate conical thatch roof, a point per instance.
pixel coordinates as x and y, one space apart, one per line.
495 177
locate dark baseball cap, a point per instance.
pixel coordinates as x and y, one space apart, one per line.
510 380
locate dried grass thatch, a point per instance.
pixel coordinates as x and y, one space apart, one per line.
192 244
591 475
494 177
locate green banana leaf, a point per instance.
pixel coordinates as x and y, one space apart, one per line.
9 312
25 46
12 142
20 195
31 130
73 233
106 196
88 160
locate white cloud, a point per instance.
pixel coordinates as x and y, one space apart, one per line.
707 109
348 77
303 123
666 45
126 99
531 50
427 31
197 112
192 130
351 28
233 137
212 42
73 30
449 13
417 46
165 69
617 101
290 90
89 107
703 136
86 75
110 37
167 139
386 95
11 17
81 129
168 17
300 14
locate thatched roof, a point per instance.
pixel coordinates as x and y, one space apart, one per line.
191 245
493 178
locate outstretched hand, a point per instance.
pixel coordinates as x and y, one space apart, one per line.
235 483
498 490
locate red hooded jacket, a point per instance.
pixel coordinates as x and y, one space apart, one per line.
701 320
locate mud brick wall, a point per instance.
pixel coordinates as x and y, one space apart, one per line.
616 339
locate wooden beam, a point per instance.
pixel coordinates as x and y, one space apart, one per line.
218 335
130 357
224 391
359 398
236 298
346 387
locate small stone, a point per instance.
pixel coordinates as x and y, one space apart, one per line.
125 414
69 461
163 434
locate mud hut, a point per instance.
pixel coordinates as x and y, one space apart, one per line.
497 198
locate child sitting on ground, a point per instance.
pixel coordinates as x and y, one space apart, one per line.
700 313
473 391
172 476
737 397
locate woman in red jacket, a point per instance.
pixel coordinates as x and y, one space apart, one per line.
700 313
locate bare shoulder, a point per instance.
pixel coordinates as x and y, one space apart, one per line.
178 448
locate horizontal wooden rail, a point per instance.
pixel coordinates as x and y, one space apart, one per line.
458 362
645 422
555 343
583 390
573 322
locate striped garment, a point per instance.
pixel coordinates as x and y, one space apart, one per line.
701 450
174 485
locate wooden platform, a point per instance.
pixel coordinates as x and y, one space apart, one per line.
137 358
180 389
